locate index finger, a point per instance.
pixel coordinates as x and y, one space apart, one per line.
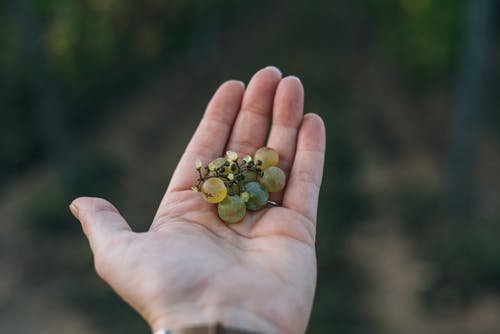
211 136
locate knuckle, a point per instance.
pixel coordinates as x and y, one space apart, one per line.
255 109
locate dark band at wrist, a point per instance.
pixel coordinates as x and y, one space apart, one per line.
212 329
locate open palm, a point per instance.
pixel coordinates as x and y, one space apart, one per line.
190 268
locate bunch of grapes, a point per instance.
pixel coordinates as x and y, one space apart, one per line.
240 186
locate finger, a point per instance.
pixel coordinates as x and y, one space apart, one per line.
250 129
211 136
101 221
287 115
302 190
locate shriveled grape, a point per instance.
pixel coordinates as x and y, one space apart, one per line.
213 190
231 209
273 179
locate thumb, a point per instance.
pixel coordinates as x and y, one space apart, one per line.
101 221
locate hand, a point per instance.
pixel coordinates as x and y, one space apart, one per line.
190 268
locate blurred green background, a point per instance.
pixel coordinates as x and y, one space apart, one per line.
99 97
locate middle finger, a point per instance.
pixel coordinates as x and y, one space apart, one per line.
252 123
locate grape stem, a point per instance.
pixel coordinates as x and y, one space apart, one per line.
228 182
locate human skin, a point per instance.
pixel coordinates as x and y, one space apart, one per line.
190 268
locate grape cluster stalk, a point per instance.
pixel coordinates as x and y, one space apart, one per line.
237 186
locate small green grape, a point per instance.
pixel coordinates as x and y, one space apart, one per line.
257 196
267 156
244 196
216 164
198 164
231 209
246 159
248 176
273 179
231 156
213 190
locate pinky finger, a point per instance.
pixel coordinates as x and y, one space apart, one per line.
302 191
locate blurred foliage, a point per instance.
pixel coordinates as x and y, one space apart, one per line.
92 51
86 52
423 35
86 41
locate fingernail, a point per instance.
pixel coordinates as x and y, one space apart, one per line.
274 68
74 209
241 83
294 77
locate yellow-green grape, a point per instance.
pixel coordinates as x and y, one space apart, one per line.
273 179
231 209
213 190
257 196
267 156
